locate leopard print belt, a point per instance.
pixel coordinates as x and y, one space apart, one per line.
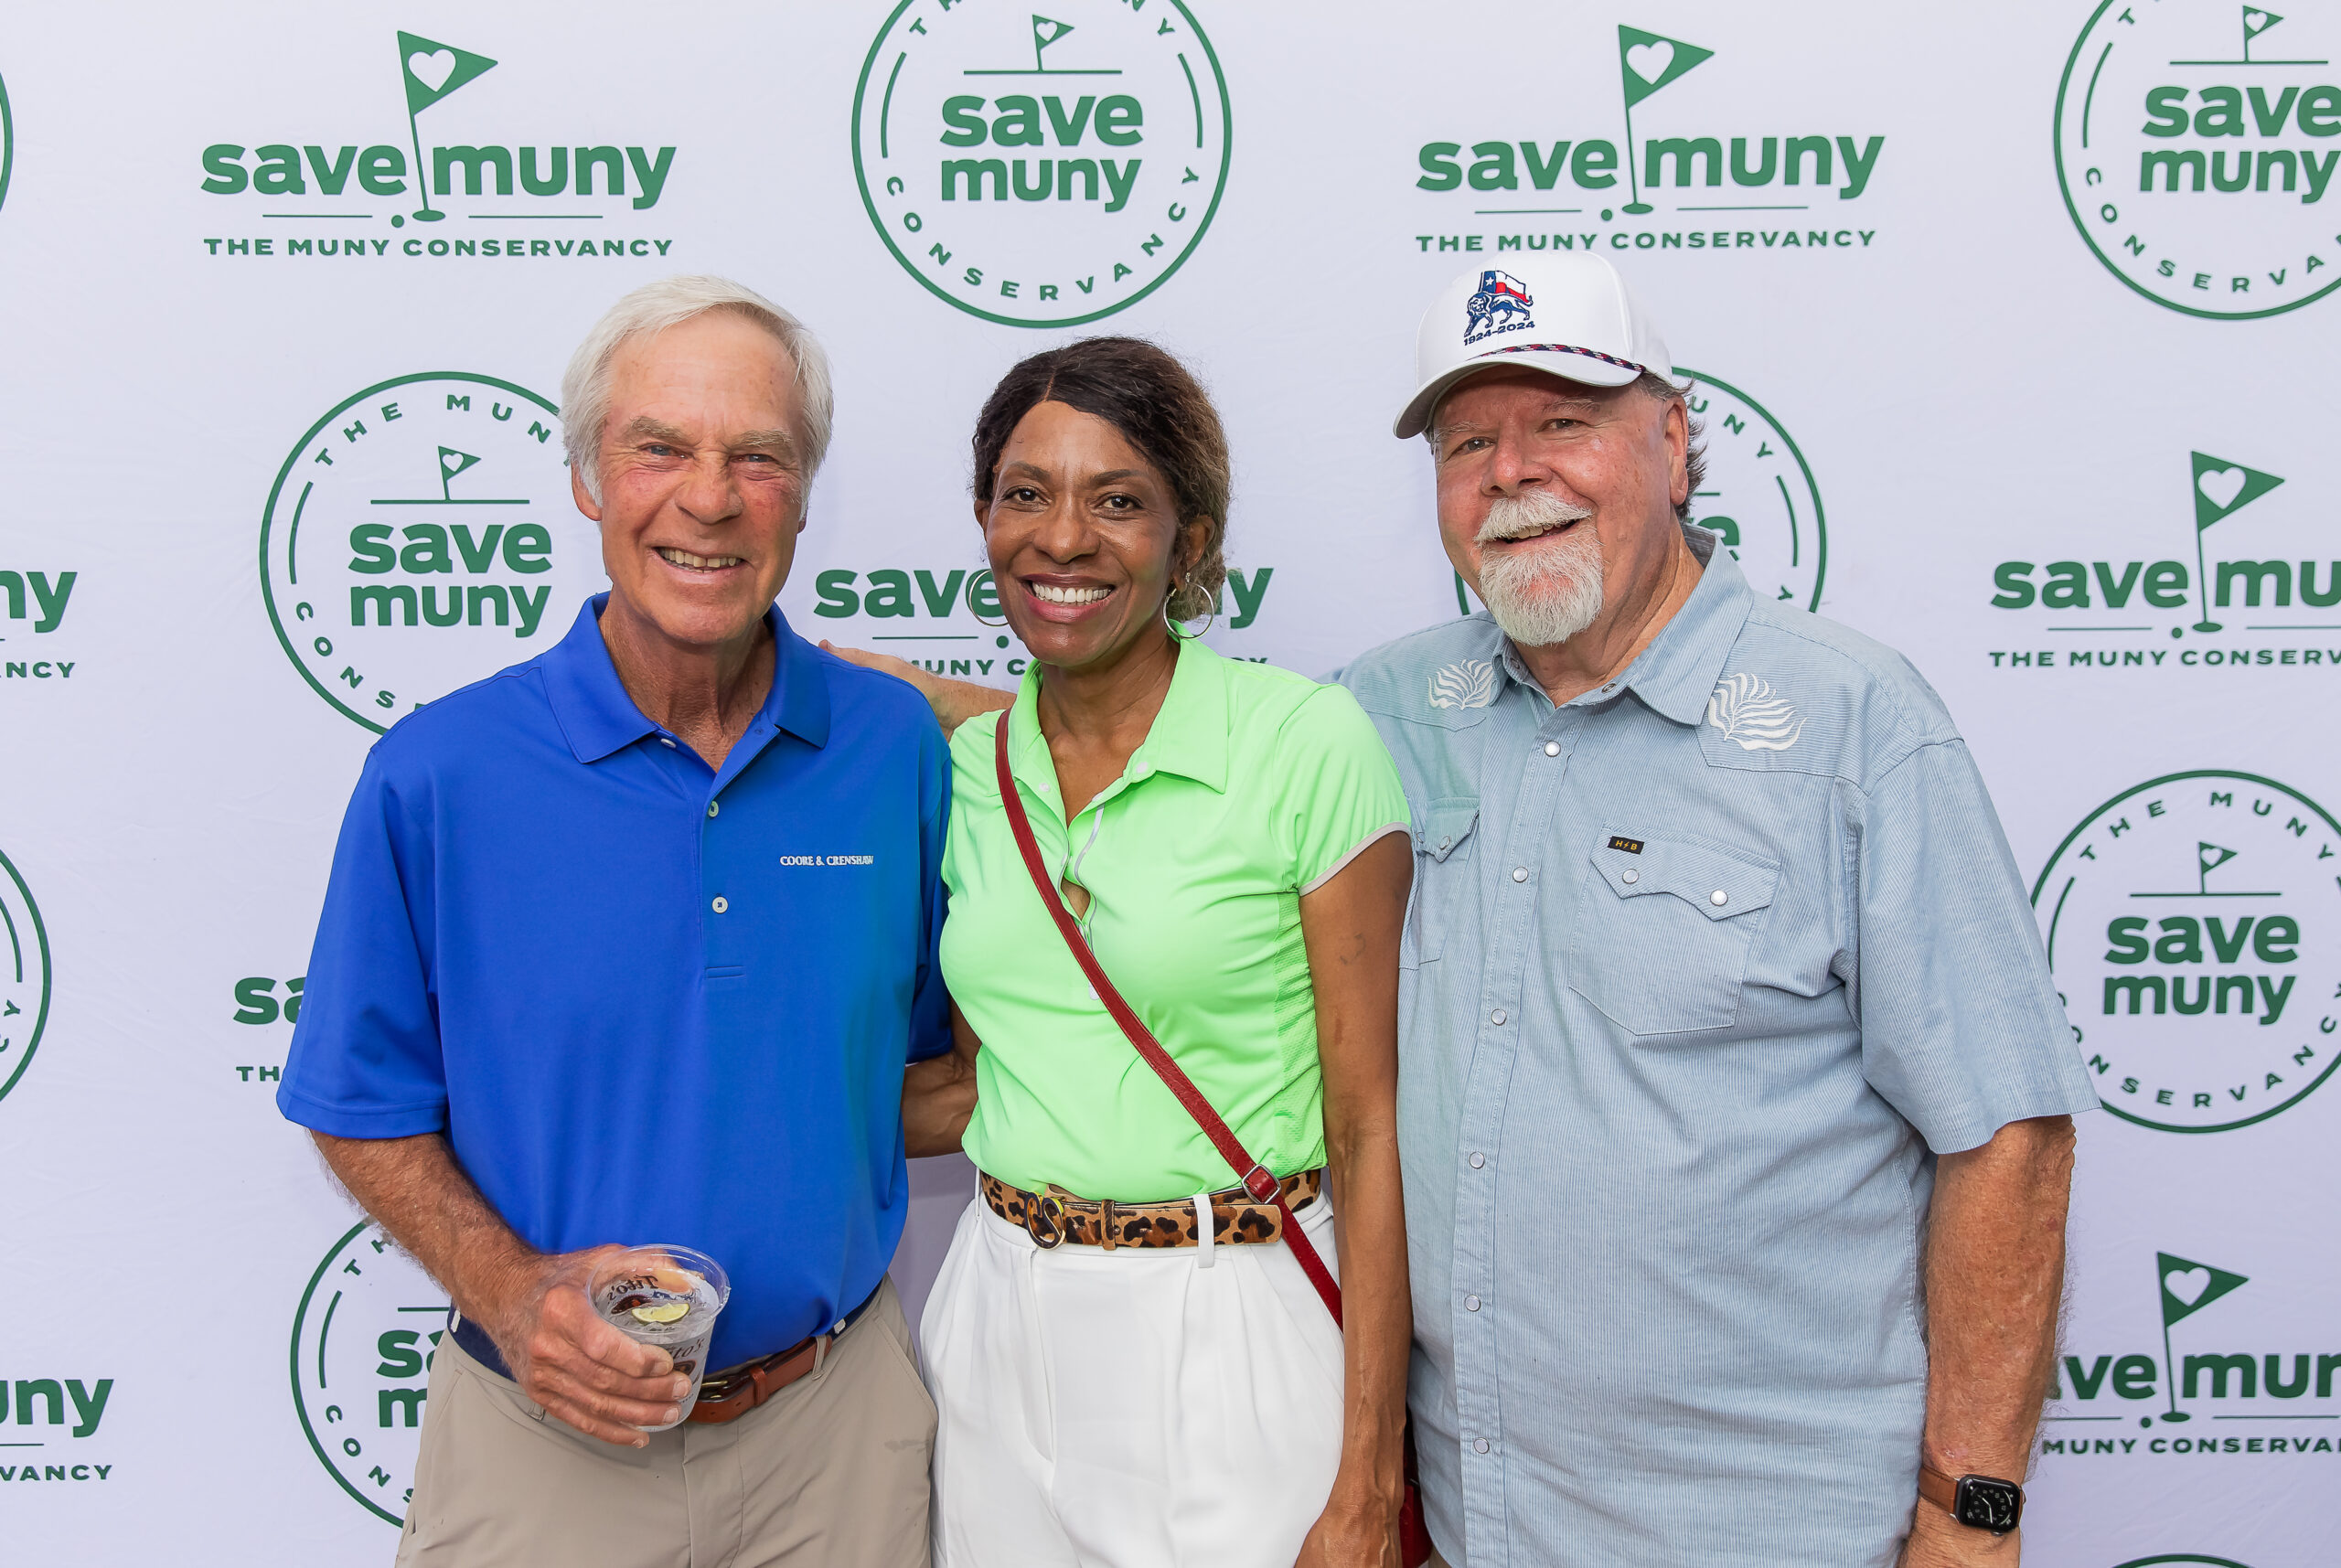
1053 1216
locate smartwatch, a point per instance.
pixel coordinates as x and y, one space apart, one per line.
1980 1502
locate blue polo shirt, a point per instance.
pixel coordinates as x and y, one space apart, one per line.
647 1000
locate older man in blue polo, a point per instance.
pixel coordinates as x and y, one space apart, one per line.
630 944
1736 1094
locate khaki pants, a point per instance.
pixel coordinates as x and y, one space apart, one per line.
833 1469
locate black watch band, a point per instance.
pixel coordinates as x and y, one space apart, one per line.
1980 1502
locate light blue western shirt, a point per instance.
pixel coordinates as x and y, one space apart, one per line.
1701 971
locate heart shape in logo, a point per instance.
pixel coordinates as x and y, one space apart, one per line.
2188 1285
2221 485
432 69
2255 20
1649 61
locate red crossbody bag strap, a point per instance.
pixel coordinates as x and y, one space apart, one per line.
1257 1179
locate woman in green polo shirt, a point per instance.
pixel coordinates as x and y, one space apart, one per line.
1229 838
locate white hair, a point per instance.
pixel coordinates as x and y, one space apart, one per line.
669 302
1549 593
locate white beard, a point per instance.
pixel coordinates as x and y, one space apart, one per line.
1550 592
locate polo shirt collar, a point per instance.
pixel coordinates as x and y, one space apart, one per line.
600 720
1189 736
1677 673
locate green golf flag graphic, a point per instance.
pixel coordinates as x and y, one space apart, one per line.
1649 62
2256 22
1046 31
2223 488
452 462
433 70
2210 858
2186 1288
2189 1287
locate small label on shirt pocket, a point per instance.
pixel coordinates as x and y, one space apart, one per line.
1661 938
1443 836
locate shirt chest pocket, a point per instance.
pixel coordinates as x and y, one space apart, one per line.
1663 929
1443 887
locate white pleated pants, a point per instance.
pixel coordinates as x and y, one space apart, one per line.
1143 1408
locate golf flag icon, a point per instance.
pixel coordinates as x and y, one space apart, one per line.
2187 1287
431 72
1647 62
2221 490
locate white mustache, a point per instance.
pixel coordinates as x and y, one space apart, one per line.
1519 517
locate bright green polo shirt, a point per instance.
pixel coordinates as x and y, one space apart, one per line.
1254 785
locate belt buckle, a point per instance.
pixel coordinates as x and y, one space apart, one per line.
1261 1183
1048 1208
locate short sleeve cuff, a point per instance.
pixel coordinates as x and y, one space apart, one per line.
362 1121
1362 846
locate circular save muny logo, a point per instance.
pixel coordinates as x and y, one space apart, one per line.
2196 143
420 537
1040 171
2194 923
8 142
1758 494
362 1342
24 976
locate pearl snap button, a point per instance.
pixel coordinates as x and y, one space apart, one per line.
1478 1445
1470 1304
1629 876
1520 873
1718 897
721 904
1478 1160
1552 748
1445 842
1496 1017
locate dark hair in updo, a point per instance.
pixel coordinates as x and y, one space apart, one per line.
1159 408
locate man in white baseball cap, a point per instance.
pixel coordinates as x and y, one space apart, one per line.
1726 1038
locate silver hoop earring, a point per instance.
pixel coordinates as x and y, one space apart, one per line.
1177 636
978 577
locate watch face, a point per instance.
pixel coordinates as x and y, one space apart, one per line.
1988 1504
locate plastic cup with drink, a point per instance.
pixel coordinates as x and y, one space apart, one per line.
668 1297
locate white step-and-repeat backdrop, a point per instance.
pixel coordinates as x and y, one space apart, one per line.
2007 323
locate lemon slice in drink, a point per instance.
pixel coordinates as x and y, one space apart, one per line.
661 1311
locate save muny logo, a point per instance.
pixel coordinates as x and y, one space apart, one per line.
1672 184
258 1005
420 537
24 976
1041 170
363 1339
2194 144
8 142
32 606
1758 494
954 617
2269 1396
341 201
2192 925
2223 606
53 1416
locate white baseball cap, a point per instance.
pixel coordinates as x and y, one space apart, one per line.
1570 314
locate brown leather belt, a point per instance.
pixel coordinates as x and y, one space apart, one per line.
1053 1216
732 1392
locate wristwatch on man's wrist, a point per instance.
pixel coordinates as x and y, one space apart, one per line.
1981 1502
